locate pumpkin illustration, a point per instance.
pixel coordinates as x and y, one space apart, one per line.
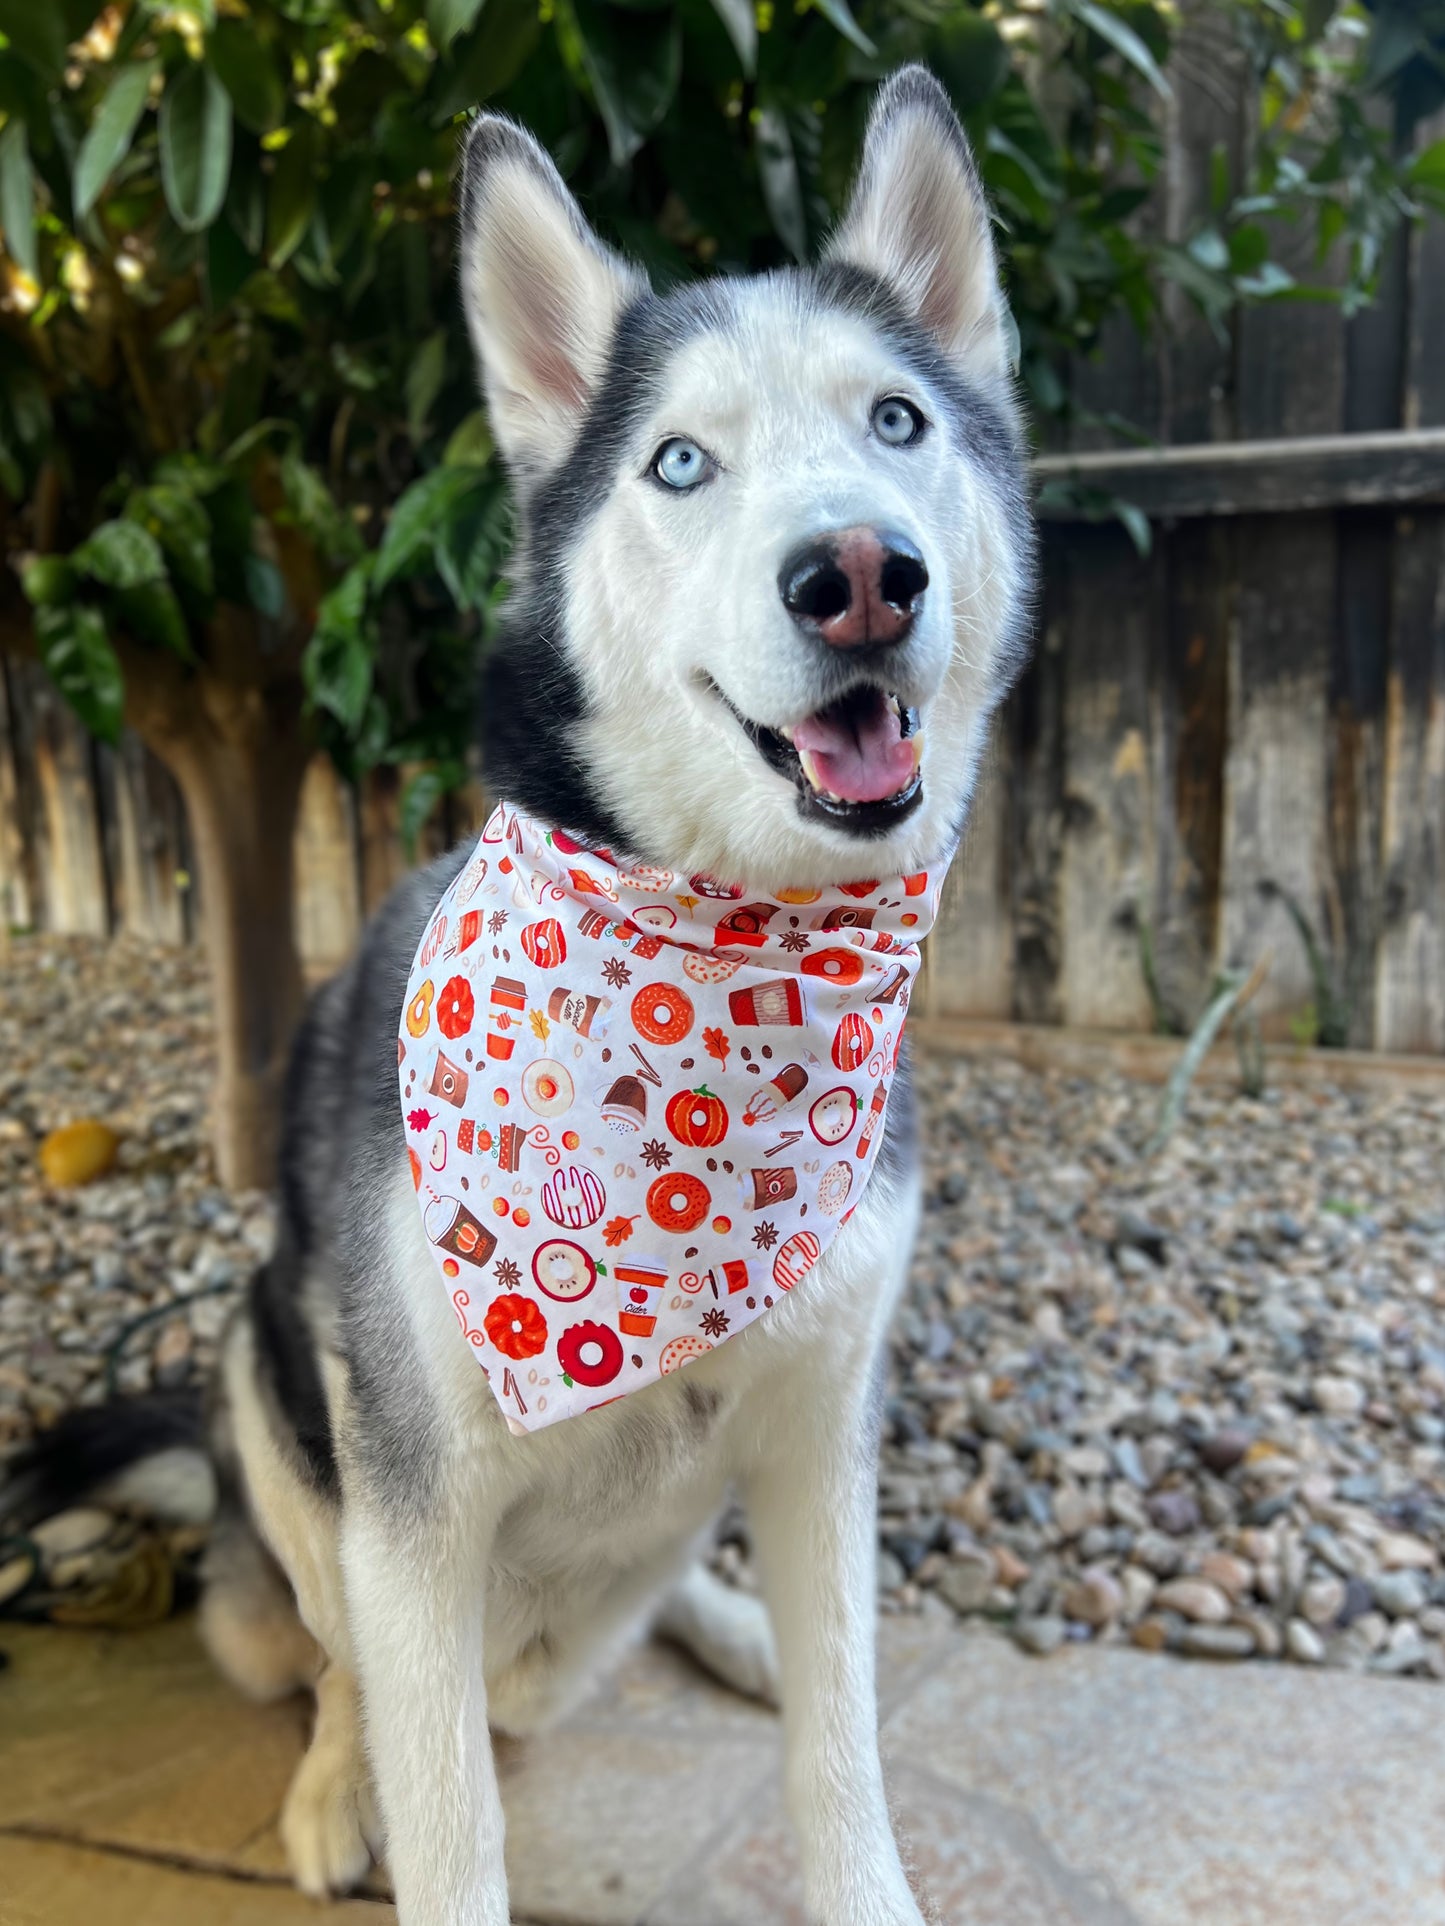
697 1118
544 943
852 1041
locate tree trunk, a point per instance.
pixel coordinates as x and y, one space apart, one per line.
238 750
241 795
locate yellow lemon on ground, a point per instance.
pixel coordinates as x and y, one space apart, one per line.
78 1153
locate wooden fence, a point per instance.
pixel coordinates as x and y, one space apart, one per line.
1232 746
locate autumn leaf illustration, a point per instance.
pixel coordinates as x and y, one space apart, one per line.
716 1044
540 1026
418 1119
617 1231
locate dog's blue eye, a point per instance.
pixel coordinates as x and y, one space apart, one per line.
681 464
897 422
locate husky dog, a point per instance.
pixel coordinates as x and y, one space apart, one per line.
772 579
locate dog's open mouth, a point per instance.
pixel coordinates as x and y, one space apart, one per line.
857 763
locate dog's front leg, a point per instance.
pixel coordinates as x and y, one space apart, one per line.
416 1587
812 1502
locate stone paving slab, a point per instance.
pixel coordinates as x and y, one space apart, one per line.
1101 1788
46 1882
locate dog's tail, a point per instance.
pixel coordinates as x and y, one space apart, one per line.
146 1455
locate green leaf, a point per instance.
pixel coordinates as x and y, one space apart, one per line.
489 61
49 582
840 14
80 661
1218 179
634 61
108 140
122 555
17 198
181 525
195 147
473 543
968 54
152 614
742 29
1136 522
266 586
248 74
1123 39
416 520
445 19
424 790
314 509
1427 169
778 173
338 662
424 383
471 445
36 32
292 199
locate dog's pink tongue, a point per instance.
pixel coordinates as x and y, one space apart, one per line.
861 758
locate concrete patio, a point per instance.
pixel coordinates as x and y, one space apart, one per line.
1103 1787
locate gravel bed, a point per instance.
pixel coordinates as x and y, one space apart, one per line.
1196 1402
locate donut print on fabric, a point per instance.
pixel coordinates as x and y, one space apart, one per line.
638 1103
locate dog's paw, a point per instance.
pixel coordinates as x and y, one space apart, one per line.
329 1824
728 1632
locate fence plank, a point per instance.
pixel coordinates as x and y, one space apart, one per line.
1035 720
1355 762
19 891
1275 836
1106 867
1409 1010
1191 739
383 862
1424 405
327 892
65 822
1208 110
151 865
968 961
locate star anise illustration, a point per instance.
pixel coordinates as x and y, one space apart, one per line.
497 922
715 1323
765 1236
616 972
508 1274
793 940
656 1154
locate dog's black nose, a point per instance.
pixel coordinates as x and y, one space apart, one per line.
859 587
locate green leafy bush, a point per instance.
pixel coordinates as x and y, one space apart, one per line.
232 369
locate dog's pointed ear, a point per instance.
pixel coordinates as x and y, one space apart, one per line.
918 220
542 294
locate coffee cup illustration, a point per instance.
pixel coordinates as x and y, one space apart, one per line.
452 1227
764 1188
587 1015
448 1080
776 1000
636 1282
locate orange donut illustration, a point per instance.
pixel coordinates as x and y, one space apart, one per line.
418 1011
707 966
590 1353
545 943
681 1350
662 1013
678 1202
834 966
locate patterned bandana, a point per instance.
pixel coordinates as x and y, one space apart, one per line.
638 1106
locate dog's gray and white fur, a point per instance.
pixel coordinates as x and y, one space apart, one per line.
381 1535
